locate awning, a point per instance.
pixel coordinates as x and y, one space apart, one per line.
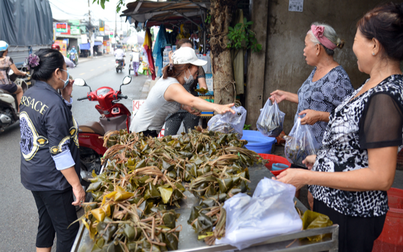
171 14
85 46
97 43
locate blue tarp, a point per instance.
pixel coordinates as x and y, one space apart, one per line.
85 46
97 43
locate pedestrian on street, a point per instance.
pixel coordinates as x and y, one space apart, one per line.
168 95
355 167
135 59
6 63
190 121
326 86
50 159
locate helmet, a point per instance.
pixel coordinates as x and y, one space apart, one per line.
56 47
3 45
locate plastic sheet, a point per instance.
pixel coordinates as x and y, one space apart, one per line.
269 212
228 122
271 119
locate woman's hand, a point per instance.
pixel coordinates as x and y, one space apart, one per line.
313 116
309 161
191 110
79 193
293 176
222 109
66 92
278 96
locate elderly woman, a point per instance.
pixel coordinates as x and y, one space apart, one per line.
50 159
168 95
327 85
356 164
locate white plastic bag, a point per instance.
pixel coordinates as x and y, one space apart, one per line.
300 143
228 122
269 212
271 119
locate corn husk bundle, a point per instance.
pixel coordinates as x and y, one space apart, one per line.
143 178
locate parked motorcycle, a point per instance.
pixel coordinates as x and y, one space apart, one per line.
114 116
119 65
8 103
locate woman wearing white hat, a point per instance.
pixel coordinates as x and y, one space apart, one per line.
5 64
168 95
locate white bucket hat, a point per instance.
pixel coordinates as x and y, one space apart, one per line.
186 55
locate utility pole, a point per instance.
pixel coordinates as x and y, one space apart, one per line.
90 25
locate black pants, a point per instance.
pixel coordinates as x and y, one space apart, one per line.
56 213
173 123
356 234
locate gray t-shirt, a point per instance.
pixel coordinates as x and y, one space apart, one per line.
152 114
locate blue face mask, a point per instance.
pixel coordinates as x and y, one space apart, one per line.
66 82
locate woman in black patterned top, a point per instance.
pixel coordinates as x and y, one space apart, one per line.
357 161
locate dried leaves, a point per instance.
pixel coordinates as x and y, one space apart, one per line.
143 178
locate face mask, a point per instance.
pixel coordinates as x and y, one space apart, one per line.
189 79
66 82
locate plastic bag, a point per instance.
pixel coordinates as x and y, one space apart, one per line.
228 122
269 212
299 144
312 219
271 119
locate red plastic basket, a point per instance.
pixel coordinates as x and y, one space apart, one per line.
274 159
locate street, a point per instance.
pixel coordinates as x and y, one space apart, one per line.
19 218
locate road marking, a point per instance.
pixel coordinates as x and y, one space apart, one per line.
82 73
92 70
99 67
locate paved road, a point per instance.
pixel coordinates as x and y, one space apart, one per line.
18 215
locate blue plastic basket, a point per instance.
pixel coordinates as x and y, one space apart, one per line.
258 142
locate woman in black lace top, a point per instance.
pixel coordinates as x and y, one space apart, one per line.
356 164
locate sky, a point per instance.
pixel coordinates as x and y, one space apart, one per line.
78 9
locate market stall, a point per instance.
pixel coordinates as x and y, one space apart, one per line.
188 239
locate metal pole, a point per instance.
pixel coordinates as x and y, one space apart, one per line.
90 25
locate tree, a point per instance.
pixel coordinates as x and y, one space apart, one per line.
119 4
224 84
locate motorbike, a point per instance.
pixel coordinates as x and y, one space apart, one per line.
114 116
73 57
119 65
8 103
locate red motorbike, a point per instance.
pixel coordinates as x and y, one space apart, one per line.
114 116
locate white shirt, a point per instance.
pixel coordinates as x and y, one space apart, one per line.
135 57
152 114
119 54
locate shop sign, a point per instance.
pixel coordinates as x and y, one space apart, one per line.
61 27
75 30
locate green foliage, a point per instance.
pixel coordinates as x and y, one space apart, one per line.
119 4
242 37
246 127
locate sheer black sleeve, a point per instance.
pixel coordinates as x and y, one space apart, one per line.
381 122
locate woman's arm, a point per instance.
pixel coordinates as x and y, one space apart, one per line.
202 83
313 116
72 177
378 175
176 92
280 95
16 71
